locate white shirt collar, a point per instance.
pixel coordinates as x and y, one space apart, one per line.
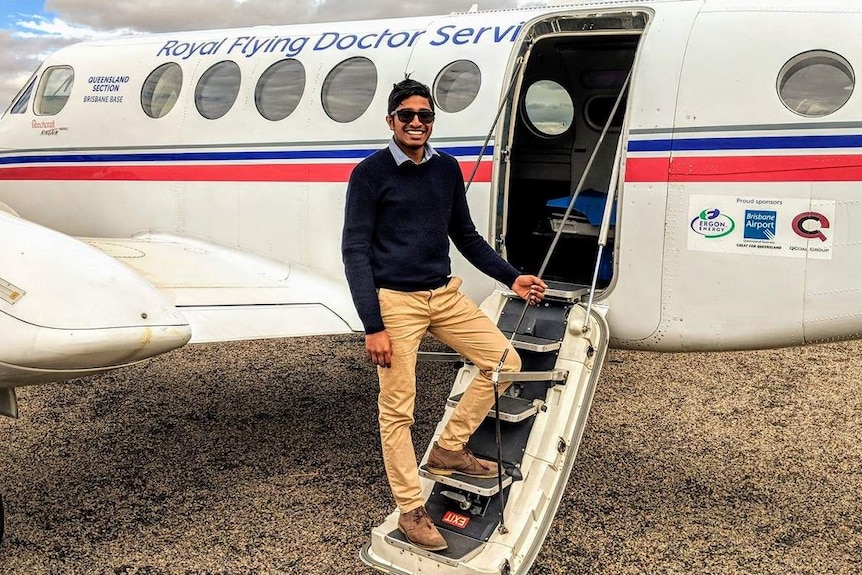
401 157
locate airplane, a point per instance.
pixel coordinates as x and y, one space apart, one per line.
683 172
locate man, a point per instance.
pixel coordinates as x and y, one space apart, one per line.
404 202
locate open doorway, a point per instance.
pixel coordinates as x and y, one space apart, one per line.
570 81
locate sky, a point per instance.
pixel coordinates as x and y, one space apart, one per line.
32 29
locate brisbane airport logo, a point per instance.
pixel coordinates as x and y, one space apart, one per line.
760 225
713 224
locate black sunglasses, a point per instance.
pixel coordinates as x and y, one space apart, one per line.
406 116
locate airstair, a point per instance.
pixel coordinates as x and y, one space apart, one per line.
542 419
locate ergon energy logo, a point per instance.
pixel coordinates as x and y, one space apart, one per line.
712 224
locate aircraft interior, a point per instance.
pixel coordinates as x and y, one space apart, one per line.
569 87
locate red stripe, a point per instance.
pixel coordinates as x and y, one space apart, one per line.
483 174
206 173
843 168
647 169
832 168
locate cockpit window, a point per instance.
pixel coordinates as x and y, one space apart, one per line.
162 89
457 85
54 90
349 88
217 89
279 89
20 105
815 83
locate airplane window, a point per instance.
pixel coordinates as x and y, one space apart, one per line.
598 109
54 90
217 89
815 83
20 105
457 85
161 90
349 88
279 89
549 108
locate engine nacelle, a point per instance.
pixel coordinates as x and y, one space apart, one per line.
67 309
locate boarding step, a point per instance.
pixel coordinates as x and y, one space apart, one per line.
533 343
512 409
475 485
526 376
560 291
566 291
461 548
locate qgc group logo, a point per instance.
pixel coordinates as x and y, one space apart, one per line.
810 225
713 224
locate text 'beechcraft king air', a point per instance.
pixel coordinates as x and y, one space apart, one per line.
685 175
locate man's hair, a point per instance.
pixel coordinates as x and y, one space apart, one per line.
405 89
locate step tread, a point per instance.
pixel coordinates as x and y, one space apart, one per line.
512 409
461 548
531 342
565 291
476 485
560 291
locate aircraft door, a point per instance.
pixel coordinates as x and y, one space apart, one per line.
637 297
577 67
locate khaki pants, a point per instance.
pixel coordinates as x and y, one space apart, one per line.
456 321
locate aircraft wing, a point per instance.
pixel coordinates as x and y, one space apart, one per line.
227 294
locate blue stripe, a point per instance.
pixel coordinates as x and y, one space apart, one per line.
752 143
457 151
650 145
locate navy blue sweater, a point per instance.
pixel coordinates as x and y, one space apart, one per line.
397 225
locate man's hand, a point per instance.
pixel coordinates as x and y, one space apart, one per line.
378 348
530 288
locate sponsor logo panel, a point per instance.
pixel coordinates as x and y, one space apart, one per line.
750 225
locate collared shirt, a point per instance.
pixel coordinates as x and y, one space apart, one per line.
401 157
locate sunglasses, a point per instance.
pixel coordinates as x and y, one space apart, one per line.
406 116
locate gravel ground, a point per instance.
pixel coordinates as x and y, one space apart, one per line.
262 458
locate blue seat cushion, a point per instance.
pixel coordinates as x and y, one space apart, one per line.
589 203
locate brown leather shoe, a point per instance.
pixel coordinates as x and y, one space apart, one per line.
444 462
420 530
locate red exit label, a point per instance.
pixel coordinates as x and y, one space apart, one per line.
456 520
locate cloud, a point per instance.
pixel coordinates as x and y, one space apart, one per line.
39 27
174 15
21 58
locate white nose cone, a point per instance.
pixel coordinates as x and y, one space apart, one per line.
67 309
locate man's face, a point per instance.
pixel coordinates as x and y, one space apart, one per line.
414 134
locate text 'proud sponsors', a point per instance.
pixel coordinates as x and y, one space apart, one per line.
783 227
292 46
